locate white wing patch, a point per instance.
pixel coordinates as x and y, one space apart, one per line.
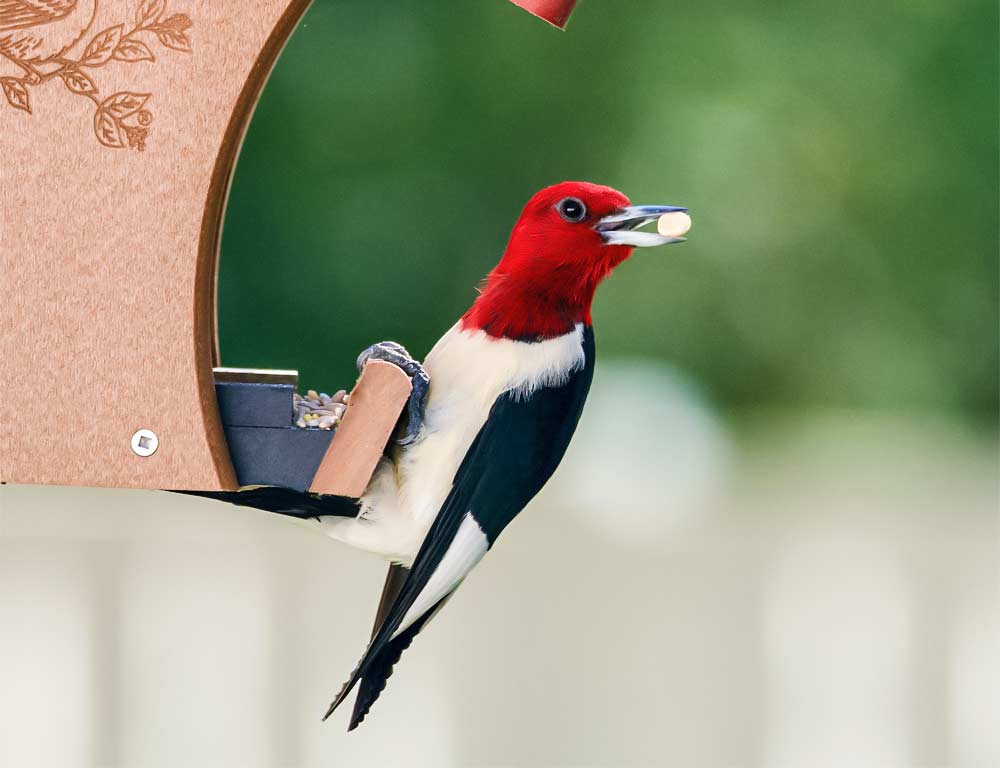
467 549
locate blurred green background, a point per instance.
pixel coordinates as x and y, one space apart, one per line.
840 161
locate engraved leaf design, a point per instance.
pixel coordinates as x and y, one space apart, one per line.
16 93
124 104
172 38
149 12
103 46
108 130
180 22
133 50
121 120
77 81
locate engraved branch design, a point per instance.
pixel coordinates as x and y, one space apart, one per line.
120 119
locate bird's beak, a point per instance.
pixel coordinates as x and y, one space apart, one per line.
619 228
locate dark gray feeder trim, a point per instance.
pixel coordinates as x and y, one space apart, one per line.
265 447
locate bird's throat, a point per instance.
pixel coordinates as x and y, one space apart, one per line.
527 310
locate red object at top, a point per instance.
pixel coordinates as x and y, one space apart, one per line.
555 12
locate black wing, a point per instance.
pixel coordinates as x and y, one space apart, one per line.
514 454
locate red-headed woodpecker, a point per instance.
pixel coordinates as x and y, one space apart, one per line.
507 386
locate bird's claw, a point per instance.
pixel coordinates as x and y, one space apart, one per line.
391 352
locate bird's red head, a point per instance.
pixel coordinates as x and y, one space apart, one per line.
569 237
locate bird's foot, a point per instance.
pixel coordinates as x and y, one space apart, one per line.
394 353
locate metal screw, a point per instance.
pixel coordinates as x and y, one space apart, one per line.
145 442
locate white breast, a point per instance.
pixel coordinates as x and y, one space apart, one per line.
469 370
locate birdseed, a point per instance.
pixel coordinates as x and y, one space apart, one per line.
317 410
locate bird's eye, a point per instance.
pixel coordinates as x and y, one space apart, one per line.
572 209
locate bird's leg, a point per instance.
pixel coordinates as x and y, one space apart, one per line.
394 353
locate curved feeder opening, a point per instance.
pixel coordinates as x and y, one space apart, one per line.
296 451
281 435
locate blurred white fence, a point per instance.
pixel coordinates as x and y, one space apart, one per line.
809 593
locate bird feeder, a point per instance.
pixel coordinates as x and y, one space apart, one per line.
120 124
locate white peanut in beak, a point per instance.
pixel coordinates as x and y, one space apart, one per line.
675 224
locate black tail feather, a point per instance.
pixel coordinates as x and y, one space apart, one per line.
394 581
378 673
372 672
375 668
379 670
